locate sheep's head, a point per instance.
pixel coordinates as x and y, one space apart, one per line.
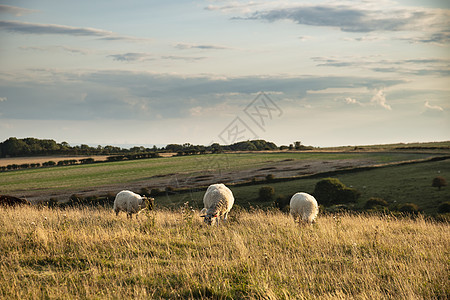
208 219
147 202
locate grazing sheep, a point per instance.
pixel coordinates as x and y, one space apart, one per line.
305 206
130 203
218 201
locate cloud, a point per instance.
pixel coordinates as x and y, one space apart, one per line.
16 11
82 95
128 57
54 48
432 23
34 28
184 46
433 107
379 99
418 66
3 99
350 100
186 58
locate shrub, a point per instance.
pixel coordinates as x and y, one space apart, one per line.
155 192
375 202
144 192
444 208
266 193
330 191
408 208
270 177
439 182
282 203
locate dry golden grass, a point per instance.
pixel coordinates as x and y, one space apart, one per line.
82 253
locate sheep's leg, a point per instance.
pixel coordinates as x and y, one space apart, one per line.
225 216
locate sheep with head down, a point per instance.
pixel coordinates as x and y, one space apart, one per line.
130 203
305 207
218 201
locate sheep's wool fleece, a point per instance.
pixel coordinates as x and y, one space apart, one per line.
305 206
218 199
127 201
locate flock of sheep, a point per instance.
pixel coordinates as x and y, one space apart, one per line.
218 201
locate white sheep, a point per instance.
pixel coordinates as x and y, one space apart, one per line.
129 202
218 201
305 206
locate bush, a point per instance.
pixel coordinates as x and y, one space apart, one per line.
331 191
439 182
410 208
270 177
155 192
375 202
144 192
266 193
444 208
282 203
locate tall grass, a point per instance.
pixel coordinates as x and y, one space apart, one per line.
83 253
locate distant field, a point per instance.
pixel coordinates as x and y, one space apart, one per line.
398 184
92 254
94 175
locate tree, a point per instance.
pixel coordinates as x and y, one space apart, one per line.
439 182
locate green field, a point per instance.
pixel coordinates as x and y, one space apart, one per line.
94 175
396 184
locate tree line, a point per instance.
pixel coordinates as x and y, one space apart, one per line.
14 147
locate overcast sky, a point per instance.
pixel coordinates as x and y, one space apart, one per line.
156 72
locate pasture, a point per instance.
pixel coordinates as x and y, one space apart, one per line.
396 184
159 172
92 254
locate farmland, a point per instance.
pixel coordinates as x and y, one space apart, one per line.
168 253
60 182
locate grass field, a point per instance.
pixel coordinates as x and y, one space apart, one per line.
92 254
397 184
94 175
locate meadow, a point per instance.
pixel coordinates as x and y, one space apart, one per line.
80 177
409 183
81 253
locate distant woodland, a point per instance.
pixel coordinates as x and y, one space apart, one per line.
14 147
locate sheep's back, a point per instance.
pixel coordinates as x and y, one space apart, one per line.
305 205
218 196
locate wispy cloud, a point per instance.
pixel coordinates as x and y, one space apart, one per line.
128 57
2 99
16 11
418 66
184 46
433 107
57 48
379 99
35 28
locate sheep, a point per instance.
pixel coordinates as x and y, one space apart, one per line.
130 203
305 206
218 201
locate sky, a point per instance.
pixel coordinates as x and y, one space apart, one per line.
325 73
